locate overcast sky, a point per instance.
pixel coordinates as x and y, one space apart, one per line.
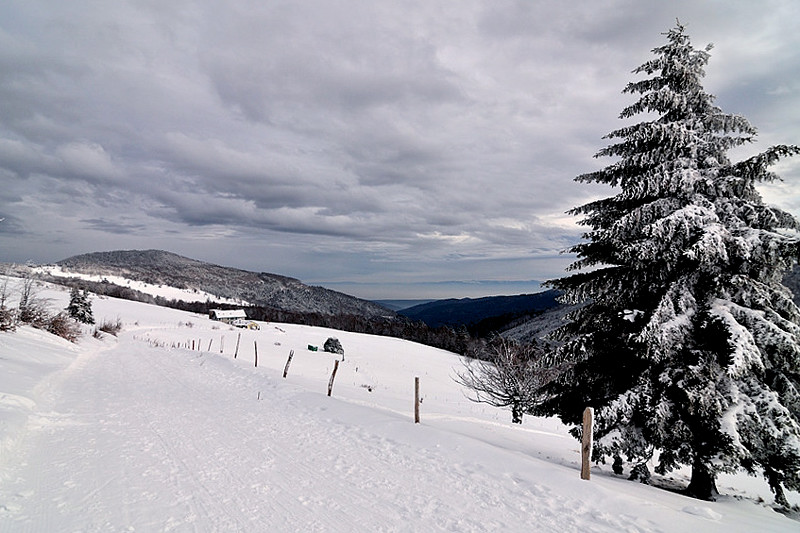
382 148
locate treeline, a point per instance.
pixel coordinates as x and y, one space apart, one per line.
105 288
494 325
456 340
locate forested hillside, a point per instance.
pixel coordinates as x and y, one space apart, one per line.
258 288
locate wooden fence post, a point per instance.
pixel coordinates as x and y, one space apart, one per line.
255 348
209 345
288 362
221 343
586 447
235 353
192 345
416 400
333 375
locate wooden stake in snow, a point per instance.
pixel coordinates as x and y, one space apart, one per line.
416 400
333 375
235 353
209 345
586 448
288 362
192 345
221 343
255 349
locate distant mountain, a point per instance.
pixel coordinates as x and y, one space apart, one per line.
470 311
399 305
158 267
539 327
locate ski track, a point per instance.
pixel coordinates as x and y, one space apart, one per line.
133 437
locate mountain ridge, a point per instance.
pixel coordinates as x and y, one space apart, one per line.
159 267
468 311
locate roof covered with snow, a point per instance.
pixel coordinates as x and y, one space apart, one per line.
219 314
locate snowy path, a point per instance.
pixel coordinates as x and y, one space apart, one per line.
138 438
150 440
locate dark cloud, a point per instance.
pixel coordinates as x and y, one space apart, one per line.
346 141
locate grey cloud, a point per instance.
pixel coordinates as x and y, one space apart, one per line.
11 225
415 141
312 57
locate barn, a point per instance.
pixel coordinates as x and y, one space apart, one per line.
226 315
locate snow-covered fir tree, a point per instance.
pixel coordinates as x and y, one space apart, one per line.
80 308
688 344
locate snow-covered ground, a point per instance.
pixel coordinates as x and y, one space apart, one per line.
142 433
171 293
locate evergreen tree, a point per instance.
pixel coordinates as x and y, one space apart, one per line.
688 344
80 308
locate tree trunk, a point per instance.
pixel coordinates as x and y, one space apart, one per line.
516 413
703 483
774 480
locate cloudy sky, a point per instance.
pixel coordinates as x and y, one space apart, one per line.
388 149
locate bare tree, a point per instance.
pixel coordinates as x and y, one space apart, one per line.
507 374
32 309
7 320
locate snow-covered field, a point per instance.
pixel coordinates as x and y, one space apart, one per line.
141 433
171 293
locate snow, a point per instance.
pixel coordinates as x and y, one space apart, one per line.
170 293
631 315
137 433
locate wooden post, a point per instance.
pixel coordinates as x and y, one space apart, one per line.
192 345
586 447
416 400
209 345
221 343
288 362
333 375
235 353
255 348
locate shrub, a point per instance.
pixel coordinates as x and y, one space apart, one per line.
31 309
63 326
332 345
7 319
112 328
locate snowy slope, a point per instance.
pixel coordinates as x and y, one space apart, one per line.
172 293
137 433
